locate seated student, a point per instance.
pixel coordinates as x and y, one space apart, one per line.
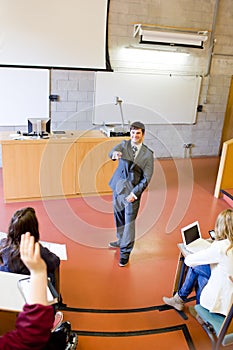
210 271
34 323
24 220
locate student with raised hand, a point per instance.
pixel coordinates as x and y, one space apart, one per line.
34 323
210 271
22 221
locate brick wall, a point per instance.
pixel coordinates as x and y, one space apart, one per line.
76 88
75 107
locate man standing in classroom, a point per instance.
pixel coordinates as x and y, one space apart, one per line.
132 176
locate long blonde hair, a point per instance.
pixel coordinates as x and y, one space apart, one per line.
224 227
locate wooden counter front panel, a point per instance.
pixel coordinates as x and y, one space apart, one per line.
21 167
94 168
35 170
57 170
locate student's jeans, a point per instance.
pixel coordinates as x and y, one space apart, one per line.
197 277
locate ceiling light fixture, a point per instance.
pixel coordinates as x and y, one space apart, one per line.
152 35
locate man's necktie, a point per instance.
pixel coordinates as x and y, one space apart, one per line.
134 150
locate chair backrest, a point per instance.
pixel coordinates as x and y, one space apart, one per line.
226 331
219 328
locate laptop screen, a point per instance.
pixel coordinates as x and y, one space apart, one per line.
190 233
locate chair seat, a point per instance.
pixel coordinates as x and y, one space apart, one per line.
216 320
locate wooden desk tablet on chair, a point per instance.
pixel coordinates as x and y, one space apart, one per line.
181 268
11 299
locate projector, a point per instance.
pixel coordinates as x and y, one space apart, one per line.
111 131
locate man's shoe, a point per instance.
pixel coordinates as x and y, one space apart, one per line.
114 244
175 302
123 262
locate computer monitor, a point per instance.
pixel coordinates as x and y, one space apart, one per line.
39 126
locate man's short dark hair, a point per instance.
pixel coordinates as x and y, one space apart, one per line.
138 125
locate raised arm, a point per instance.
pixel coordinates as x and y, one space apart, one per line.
30 255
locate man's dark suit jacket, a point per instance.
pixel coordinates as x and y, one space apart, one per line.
132 175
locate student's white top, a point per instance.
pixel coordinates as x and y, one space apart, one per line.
217 295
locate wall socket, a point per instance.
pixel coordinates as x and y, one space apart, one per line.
188 145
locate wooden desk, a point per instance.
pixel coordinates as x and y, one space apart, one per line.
224 178
10 297
11 300
67 165
181 268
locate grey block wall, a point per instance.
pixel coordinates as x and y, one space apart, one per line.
214 64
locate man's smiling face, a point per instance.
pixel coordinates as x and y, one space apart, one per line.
137 136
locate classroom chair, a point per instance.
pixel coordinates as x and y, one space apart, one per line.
219 328
63 338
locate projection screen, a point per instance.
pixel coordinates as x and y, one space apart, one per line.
54 33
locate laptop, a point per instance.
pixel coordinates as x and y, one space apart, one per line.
192 239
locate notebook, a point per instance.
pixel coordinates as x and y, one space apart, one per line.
24 287
192 239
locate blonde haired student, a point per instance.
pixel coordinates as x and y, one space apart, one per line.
210 271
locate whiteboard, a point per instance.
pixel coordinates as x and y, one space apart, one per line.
54 33
153 99
24 93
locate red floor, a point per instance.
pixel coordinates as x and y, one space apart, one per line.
119 308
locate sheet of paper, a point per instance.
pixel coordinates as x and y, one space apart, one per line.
56 248
3 235
24 287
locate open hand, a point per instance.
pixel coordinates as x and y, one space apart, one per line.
30 253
